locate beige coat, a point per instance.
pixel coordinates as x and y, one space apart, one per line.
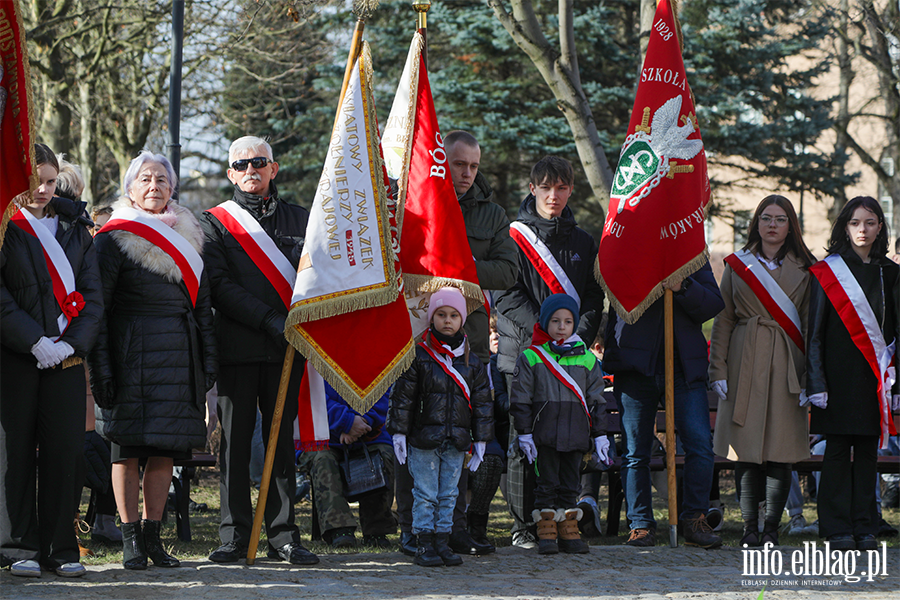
761 419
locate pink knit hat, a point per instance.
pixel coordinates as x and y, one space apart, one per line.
447 296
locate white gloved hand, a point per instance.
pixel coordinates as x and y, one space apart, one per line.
526 443
399 440
477 456
45 353
804 399
895 402
64 349
601 447
820 400
720 387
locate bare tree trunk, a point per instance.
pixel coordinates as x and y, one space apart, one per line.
845 70
559 68
648 11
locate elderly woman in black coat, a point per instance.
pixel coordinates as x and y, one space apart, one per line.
155 357
49 323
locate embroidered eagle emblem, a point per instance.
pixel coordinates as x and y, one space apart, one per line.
649 153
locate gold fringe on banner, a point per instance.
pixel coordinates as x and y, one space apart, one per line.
656 293
427 284
359 399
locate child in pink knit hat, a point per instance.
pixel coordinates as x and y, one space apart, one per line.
439 407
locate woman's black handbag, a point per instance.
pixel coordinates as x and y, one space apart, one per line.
362 473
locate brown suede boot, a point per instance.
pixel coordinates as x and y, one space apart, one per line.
570 540
546 528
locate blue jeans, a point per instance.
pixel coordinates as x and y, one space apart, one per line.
639 398
435 476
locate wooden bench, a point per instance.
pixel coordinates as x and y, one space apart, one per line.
182 486
886 464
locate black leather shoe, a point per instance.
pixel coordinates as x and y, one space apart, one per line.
462 542
228 552
408 543
843 542
294 553
865 541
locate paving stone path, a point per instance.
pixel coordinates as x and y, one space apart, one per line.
511 573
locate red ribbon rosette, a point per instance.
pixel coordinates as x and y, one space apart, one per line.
73 304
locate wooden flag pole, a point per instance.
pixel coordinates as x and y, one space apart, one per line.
670 419
270 453
363 9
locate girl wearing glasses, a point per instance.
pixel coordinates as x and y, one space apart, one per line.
757 365
852 327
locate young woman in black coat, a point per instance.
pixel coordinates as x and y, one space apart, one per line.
841 384
48 326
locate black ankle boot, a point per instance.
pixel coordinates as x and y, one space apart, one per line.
478 530
154 546
442 547
769 534
134 556
425 553
751 534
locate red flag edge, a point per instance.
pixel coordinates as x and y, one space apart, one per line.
360 399
689 268
34 181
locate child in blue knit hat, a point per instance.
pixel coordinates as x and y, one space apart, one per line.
557 406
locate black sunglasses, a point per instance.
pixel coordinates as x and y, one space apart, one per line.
258 163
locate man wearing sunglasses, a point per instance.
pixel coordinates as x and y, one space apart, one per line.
250 241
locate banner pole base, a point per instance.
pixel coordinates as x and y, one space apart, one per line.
673 536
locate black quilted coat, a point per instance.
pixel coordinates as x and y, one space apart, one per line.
29 309
156 353
429 407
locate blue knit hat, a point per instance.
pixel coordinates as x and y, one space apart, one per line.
553 304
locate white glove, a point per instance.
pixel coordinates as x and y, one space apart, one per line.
46 353
804 399
601 447
526 443
895 402
399 440
477 456
820 400
720 387
64 349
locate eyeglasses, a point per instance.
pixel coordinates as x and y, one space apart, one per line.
779 221
258 163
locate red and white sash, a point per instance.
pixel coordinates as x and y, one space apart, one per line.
562 375
757 277
312 409
259 247
542 260
857 315
167 239
447 365
61 274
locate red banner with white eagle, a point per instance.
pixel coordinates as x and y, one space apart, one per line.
16 146
654 230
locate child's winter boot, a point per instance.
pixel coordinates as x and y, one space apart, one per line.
570 540
546 519
426 556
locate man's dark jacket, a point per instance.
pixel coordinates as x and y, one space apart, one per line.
519 306
639 347
250 314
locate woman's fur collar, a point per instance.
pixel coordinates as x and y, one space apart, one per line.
152 257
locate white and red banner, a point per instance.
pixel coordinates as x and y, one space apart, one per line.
348 316
312 412
746 266
435 249
444 361
563 376
543 261
19 173
170 241
654 229
856 314
61 275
